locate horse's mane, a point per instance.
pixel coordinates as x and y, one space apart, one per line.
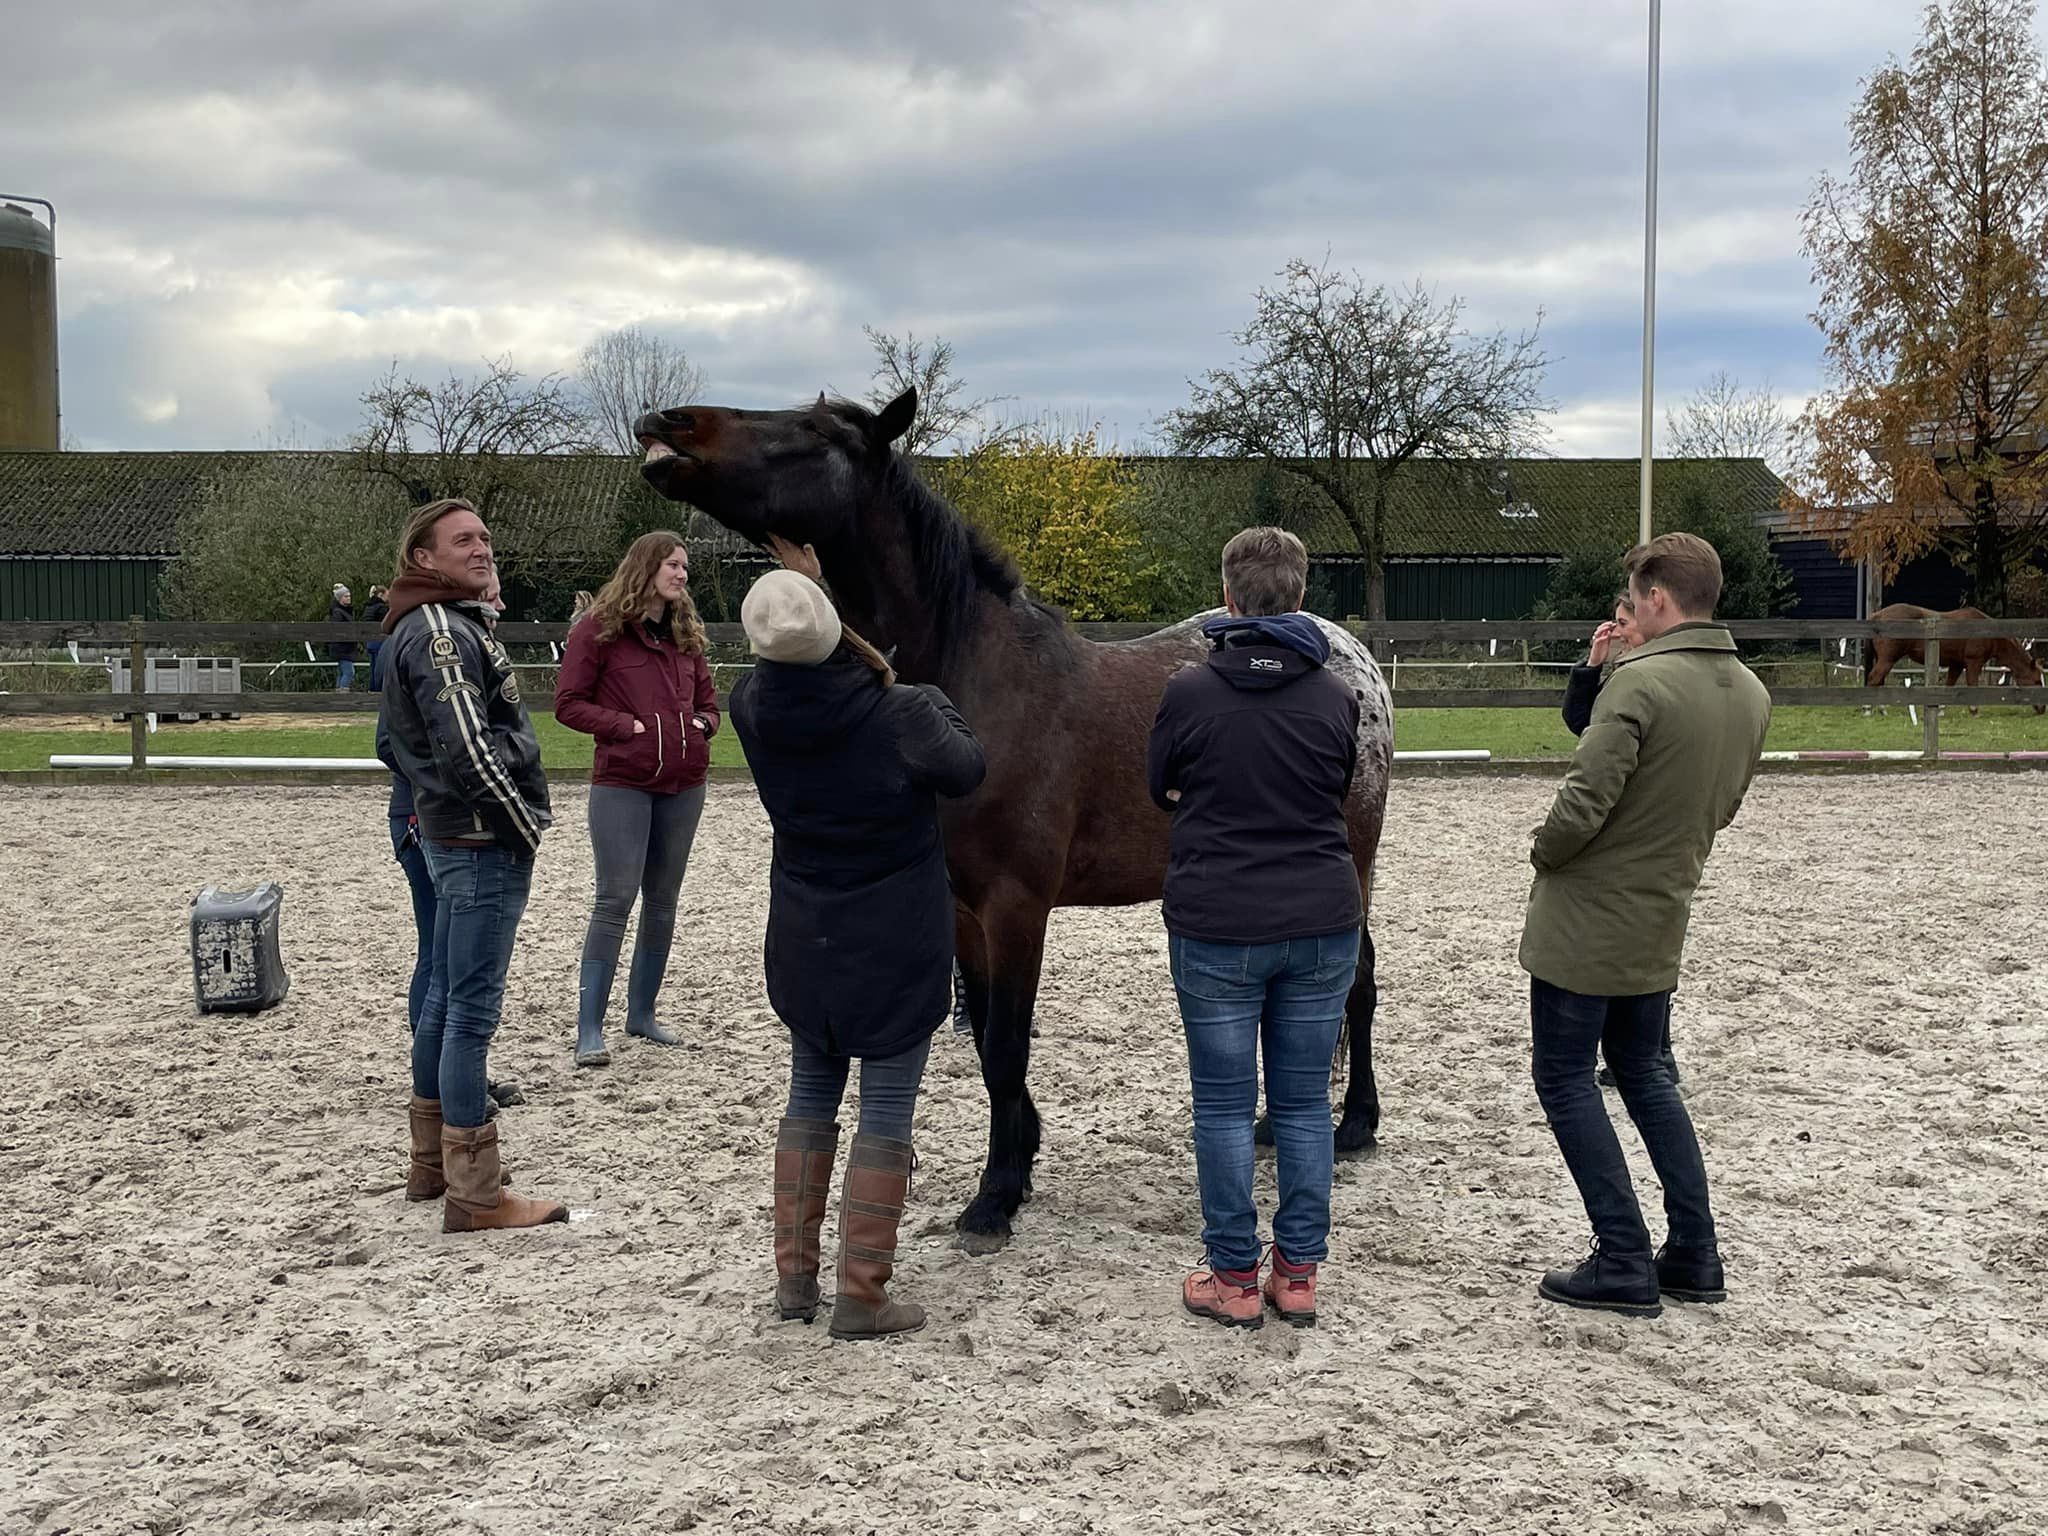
955 563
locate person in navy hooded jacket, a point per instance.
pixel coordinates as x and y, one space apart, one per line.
1253 753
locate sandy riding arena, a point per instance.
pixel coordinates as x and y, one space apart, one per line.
221 1316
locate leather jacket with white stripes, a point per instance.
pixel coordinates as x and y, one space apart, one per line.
454 725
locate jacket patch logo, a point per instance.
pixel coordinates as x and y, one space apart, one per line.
500 657
442 651
460 685
508 687
1267 664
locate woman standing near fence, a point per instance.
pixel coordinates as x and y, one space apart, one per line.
634 676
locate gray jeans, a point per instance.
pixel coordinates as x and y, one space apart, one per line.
641 843
888 1087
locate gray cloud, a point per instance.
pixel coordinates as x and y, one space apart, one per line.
263 205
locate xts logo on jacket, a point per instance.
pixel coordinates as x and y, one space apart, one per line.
1267 664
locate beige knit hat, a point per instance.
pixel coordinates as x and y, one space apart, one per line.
789 618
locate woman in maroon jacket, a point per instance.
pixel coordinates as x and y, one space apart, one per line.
634 676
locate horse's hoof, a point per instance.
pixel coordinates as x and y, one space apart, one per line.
982 1244
1355 1143
983 1227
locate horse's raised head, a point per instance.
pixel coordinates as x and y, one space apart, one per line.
799 474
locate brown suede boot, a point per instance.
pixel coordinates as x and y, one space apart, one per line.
870 1210
424 1179
803 1183
477 1200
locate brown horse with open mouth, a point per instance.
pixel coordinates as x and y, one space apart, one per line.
1063 818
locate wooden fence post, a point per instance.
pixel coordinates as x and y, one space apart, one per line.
1930 718
138 722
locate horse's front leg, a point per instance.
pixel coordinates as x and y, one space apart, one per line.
1013 950
1358 1126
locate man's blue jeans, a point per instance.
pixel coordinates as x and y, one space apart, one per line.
481 894
411 854
1568 1028
1287 998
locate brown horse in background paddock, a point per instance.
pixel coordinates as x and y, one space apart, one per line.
1958 657
1063 818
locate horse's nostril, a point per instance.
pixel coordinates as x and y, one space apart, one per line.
681 419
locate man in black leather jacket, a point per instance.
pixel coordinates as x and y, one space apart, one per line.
456 729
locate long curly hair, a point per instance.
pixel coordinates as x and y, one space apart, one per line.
624 599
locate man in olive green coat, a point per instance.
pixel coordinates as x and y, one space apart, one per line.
1662 768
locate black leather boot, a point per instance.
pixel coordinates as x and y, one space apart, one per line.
1607 1282
1690 1274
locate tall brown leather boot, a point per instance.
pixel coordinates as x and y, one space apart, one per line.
803 1183
477 1200
870 1210
424 1179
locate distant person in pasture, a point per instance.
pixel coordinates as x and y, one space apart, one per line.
1662 767
849 766
635 677
1253 753
1613 640
580 605
458 731
341 652
373 613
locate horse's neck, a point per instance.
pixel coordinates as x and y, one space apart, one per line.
875 579
876 588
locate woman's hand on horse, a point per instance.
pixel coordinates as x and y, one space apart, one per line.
803 560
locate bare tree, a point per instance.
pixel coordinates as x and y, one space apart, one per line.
1722 420
1335 375
927 366
476 438
628 372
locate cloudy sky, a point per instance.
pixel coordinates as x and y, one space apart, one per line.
262 205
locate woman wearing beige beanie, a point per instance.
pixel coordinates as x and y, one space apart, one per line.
859 954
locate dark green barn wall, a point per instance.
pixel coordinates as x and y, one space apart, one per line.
70 589
1433 589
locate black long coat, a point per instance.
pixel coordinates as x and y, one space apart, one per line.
859 953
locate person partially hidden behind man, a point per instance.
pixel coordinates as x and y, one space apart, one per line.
1662 767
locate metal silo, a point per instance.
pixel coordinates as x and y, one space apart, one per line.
28 327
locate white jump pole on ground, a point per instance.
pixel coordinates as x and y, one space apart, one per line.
1450 755
316 764
1649 275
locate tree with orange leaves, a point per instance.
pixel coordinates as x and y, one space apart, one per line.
1931 258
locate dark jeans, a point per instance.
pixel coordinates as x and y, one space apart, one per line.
1568 1029
412 858
641 845
344 675
481 897
888 1087
1287 999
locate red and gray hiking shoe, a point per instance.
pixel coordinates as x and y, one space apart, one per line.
1291 1291
1226 1296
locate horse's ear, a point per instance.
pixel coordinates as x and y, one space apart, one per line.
895 418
